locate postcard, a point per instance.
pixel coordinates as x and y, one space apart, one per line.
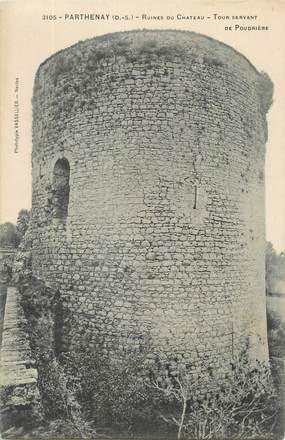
142 214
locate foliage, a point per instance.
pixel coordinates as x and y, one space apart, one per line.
22 223
64 63
85 388
276 334
22 408
241 404
276 338
110 48
131 392
60 398
274 268
266 88
8 235
22 265
9 239
11 235
112 391
57 391
6 265
212 61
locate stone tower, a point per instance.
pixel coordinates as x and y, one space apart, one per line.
148 193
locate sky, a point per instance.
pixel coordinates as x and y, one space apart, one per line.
29 34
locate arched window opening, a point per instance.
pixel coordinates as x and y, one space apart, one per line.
61 173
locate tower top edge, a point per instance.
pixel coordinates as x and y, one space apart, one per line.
194 39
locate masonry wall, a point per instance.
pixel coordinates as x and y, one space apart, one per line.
164 133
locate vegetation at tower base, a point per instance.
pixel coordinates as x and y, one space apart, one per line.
87 394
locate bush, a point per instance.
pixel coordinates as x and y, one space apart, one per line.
22 264
60 399
242 404
20 407
276 337
6 268
266 89
8 235
62 65
276 334
22 224
86 388
113 391
58 393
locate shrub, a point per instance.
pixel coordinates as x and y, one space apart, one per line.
63 64
6 268
265 90
58 393
60 398
276 337
22 264
22 224
276 334
20 407
210 60
113 391
8 235
241 404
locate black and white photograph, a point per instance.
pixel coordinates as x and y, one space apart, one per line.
142 220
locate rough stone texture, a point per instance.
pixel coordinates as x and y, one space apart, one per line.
16 359
163 232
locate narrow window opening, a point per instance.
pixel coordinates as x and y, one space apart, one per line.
61 173
41 174
195 197
232 339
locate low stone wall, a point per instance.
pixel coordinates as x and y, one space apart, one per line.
20 397
16 361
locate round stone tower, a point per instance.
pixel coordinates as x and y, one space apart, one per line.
148 194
